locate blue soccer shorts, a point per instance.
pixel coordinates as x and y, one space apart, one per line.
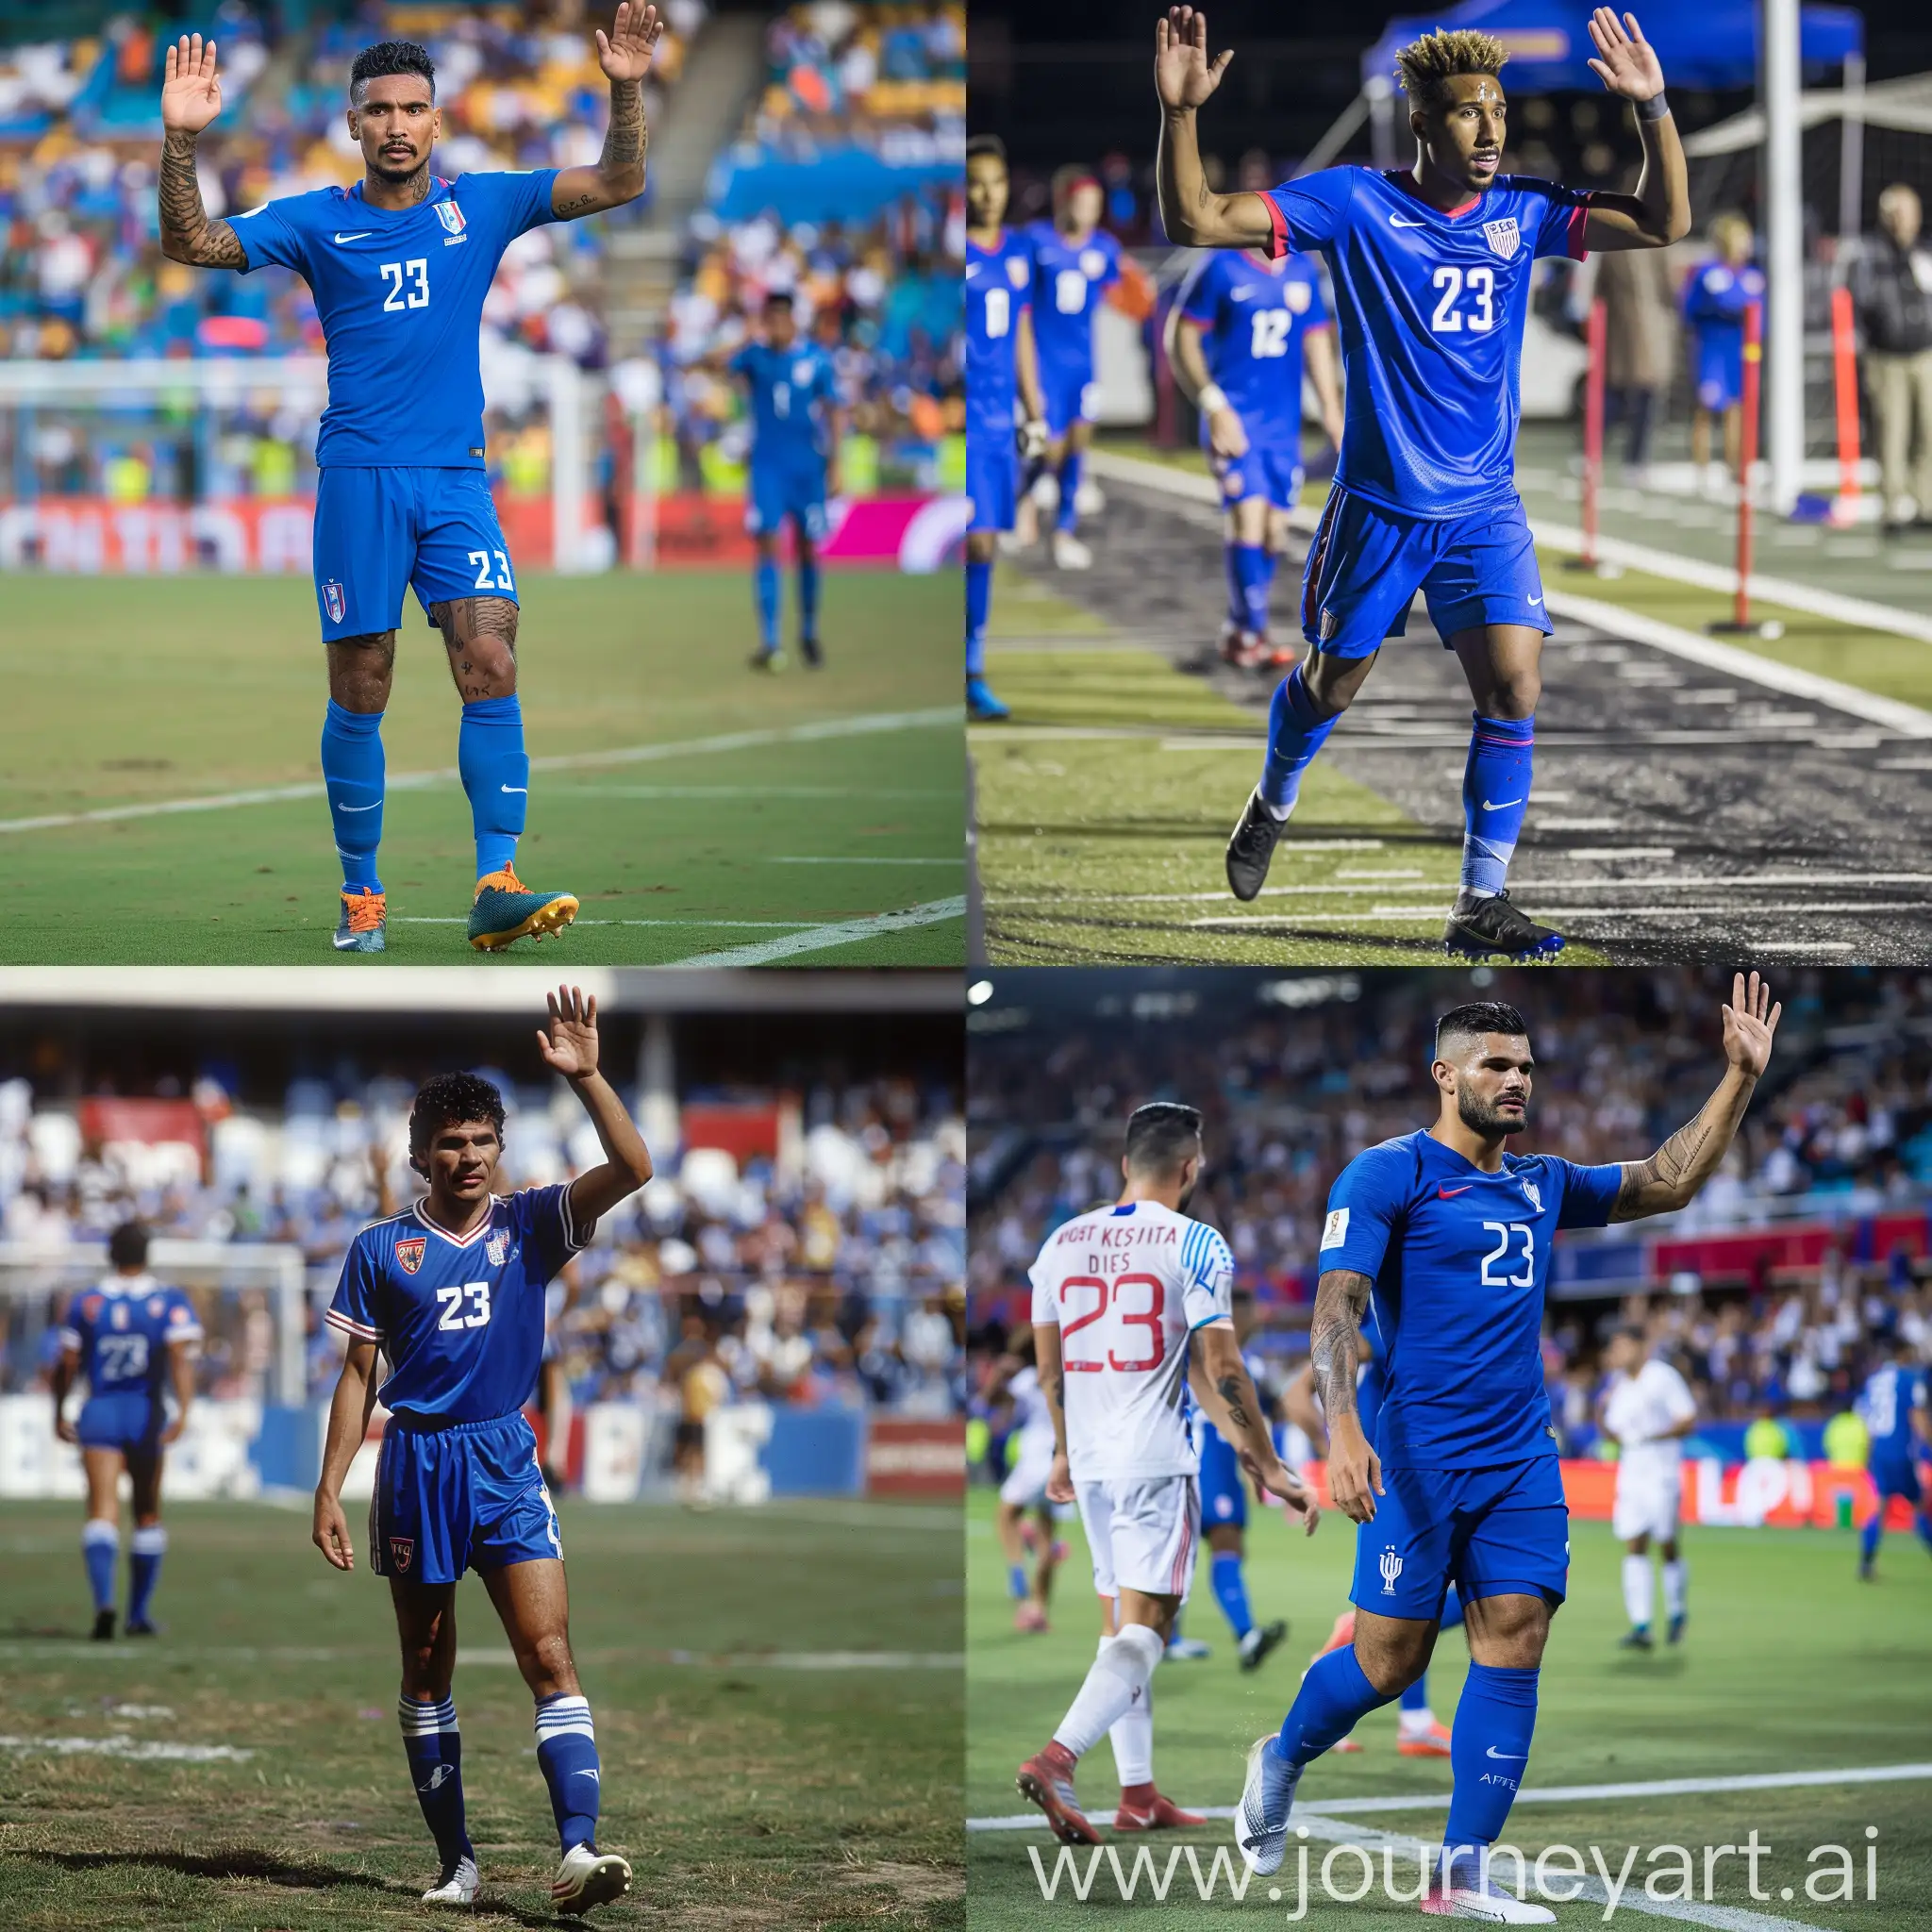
125 1420
379 532
1491 1532
1367 563
993 477
1719 377
1898 1479
1224 1496
1275 472
469 1495
1070 395
780 490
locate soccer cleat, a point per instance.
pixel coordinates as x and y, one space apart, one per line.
1185 1650
772 660
588 1878
1030 1616
1484 1900
1673 1630
1866 1572
1047 1780
457 1885
1239 647
1069 552
981 705
1251 846
1260 1820
1431 1743
360 926
1162 1814
1340 1636
143 1628
104 1626
1345 1747
1638 1639
505 910
1483 928
1275 657
813 654
1263 1638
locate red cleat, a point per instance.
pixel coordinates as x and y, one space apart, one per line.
1145 1809
1345 1747
1433 1743
1272 656
1240 648
1047 1780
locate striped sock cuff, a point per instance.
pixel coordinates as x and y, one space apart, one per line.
425 1720
559 1717
97 1529
151 1543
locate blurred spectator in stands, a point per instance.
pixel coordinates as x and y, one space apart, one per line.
1893 286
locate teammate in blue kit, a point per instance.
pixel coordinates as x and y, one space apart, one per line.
1236 340
399 265
135 1342
1074 262
1001 371
797 427
1894 1408
1442 1239
452 1292
1431 271
1715 298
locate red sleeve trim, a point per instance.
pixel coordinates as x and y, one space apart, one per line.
1573 241
1278 244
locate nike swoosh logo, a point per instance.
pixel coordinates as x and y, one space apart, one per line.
1488 807
1506 1756
1450 1193
376 807
363 235
1396 221
1536 600
587 1773
516 787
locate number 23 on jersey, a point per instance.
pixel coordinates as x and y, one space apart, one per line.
1138 1301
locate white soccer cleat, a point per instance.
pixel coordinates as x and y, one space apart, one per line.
1069 552
1090 499
1487 1902
458 1888
1261 1823
588 1878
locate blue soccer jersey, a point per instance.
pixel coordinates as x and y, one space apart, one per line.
400 298
999 284
793 392
1070 278
123 1331
461 1322
1886 1407
1459 1258
1431 307
1255 317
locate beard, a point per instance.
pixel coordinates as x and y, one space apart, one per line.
1187 1195
1482 1118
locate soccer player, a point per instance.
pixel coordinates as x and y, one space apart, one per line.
1121 1296
1715 299
1647 1409
452 1292
1431 270
797 427
1025 1488
1074 262
1444 1237
135 1342
400 264
1893 1406
1236 340
1001 369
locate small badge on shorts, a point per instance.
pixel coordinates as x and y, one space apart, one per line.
401 1552
476 451
1327 625
332 601
1390 1567
409 1254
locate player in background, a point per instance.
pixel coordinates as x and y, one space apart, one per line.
1074 262
1121 1296
1893 1406
1002 370
1715 298
1647 1409
797 430
452 1292
1444 1238
1016 1377
135 1342
1236 340
399 264
1431 271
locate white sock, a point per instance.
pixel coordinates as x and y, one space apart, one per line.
1279 812
1119 1673
1415 1720
1132 1738
1676 1586
1637 1589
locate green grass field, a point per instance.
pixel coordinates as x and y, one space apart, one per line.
745 1794
160 799
1789 1665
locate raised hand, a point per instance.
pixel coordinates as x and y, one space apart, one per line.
569 1046
627 52
1183 75
191 88
1750 1021
1628 64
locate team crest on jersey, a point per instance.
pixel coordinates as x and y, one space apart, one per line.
1296 295
332 601
1016 271
1092 264
409 1254
498 1248
154 1305
401 1552
1504 239
451 216
1536 1199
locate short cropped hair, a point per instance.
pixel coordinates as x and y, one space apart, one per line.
127 1246
389 57
447 1100
1426 62
987 145
778 298
1161 1135
1479 1017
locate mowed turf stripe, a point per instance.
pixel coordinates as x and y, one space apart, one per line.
818 938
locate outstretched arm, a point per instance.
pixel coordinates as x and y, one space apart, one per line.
570 1048
190 98
1672 1176
1335 1348
625 54
1659 212
1193 214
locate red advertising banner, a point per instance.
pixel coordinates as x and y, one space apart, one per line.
915 1459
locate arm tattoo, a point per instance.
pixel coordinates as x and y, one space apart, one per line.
1231 1388
1335 1336
187 234
623 142
1675 1173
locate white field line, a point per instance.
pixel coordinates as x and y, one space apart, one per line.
816 939
139 1748
1377 914
485 1658
864 859
1689 882
860 725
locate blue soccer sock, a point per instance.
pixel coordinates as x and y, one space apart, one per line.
1069 513
1016 1582
497 775
1334 1698
1868 1536
1416 1696
1237 594
1253 565
1488 1748
149 1546
1231 1592
1495 795
979 601
1295 733
567 1755
352 775
808 599
434 1747
100 1549
765 589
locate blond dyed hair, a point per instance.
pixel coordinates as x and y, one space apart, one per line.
1428 62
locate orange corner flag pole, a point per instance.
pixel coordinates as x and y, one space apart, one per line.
1845 382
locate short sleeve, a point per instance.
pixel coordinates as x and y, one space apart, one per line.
1045 1311
1363 1205
1559 223
267 235
1589 1192
741 363
73 1330
1206 1278
522 199
546 1223
356 1309
184 1325
1200 297
1678 1398
1309 214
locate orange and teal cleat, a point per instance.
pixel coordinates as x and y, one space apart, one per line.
505 910
364 916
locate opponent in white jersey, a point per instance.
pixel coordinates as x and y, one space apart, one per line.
1647 1409
1119 1297
1024 1490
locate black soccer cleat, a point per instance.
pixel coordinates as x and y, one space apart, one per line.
809 649
1484 928
1251 846
143 1628
1260 1640
104 1626
1638 1639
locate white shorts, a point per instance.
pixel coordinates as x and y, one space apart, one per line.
1647 1503
1026 1485
1142 1533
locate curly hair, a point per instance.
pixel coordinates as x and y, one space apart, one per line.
386 57
448 1100
1426 62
